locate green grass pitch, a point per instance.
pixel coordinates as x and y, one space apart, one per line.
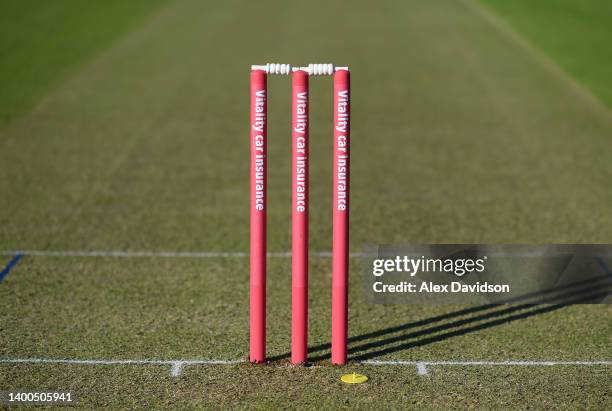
135 139
574 33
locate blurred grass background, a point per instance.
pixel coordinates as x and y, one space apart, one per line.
43 42
576 34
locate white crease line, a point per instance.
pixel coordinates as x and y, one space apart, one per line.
221 254
163 254
469 363
176 366
118 362
421 368
175 369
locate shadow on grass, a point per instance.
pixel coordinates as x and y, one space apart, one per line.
397 338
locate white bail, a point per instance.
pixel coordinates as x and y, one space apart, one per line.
274 68
319 69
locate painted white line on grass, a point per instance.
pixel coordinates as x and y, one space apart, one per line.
118 362
176 366
175 369
205 254
523 363
162 254
421 368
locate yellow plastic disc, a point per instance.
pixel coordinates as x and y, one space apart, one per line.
354 378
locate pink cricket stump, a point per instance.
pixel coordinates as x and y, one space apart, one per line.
259 111
299 260
340 253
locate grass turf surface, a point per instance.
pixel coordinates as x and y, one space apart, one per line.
43 42
464 138
575 34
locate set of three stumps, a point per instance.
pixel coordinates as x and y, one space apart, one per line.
258 209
